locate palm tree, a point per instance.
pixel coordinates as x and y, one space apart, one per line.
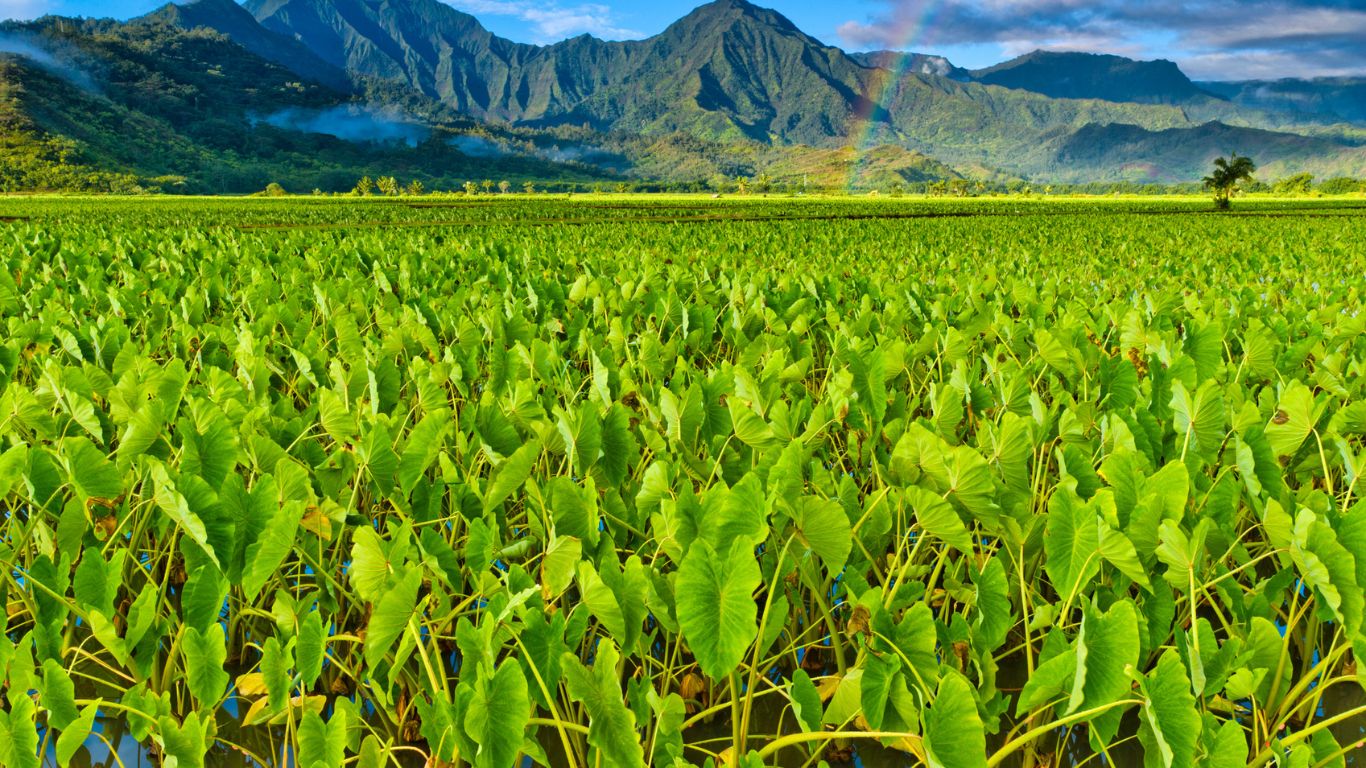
1228 173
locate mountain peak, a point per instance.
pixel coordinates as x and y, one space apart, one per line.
228 18
723 11
1081 75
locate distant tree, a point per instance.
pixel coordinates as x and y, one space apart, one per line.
273 189
898 189
529 187
719 184
471 188
1228 173
365 186
622 187
387 185
742 185
505 186
1342 185
1299 184
763 183
487 186
598 188
415 188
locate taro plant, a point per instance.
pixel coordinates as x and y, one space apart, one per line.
618 487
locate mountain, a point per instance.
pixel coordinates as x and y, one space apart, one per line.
1333 99
233 21
102 105
1094 76
727 70
1183 154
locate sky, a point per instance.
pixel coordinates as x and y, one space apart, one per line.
1210 39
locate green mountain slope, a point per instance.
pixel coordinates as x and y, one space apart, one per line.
232 20
1332 99
1181 154
732 71
146 99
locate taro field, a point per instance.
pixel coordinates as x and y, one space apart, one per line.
609 482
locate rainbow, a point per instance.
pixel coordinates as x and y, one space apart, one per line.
908 29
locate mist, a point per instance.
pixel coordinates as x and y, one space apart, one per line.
478 146
45 60
352 122
481 146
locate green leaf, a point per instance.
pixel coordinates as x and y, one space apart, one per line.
370 567
1230 747
265 555
1053 677
275 672
177 508
1328 568
1107 646
994 617
19 734
668 716
736 514
12 462
389 620
824 526
95 582
937 517
75 734
93 475
806 701
201 602
574 508
1118 551
58 695
616 598
204 652
424 442
376 451
322 745
1293 420
749 427
1170 725
879 674
497 716
954 737
1071 542
611 726
716 607
1199 417
185 741
514 471
209 449
558 565
310 648
336 421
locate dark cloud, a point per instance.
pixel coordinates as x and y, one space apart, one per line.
1227 39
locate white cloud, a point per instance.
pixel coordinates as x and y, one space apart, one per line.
1209 38
550 21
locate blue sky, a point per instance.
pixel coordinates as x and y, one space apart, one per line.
1210 39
